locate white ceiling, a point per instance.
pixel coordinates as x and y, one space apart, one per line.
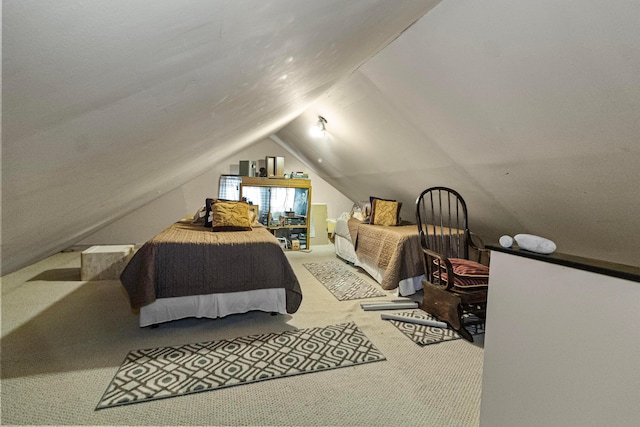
530 109
110 104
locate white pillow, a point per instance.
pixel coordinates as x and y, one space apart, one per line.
535 243
359 216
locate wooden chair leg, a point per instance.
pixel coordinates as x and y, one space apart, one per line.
465 334
460 329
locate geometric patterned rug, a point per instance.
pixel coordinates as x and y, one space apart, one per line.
425 335
341 282
192 368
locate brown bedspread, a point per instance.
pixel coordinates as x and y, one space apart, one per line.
396 249
188 259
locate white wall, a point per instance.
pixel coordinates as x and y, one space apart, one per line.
529 109
106 108
561 347
143 223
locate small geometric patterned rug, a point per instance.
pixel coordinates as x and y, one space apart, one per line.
341 282
425 335
173 371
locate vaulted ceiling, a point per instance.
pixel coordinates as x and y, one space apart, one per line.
530 109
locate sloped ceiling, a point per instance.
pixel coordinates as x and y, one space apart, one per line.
107 105
531 110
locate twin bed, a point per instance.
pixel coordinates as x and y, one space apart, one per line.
389 254
190 271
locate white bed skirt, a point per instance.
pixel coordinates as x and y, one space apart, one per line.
410 286
344 249
405 287
213 305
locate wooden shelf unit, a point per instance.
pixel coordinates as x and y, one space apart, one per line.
271 217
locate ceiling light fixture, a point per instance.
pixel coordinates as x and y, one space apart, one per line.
319 129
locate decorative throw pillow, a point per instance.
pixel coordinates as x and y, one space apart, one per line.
385 212
466 267
466 282
207 215
468 274
252 217
361 210
230 216
357 215
199 216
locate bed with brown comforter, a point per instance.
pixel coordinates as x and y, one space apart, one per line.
187 259
395 250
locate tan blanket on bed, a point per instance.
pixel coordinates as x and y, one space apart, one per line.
188 259
396 249
353 225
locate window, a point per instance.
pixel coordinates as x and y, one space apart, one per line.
229 187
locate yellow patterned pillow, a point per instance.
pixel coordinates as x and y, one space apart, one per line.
385 212
230 216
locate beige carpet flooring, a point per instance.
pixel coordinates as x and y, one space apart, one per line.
63 340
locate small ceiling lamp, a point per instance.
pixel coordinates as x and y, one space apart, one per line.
319 129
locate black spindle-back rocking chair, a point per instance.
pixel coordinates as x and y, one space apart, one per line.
454 283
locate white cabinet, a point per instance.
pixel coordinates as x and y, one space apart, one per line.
319 234
562 342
